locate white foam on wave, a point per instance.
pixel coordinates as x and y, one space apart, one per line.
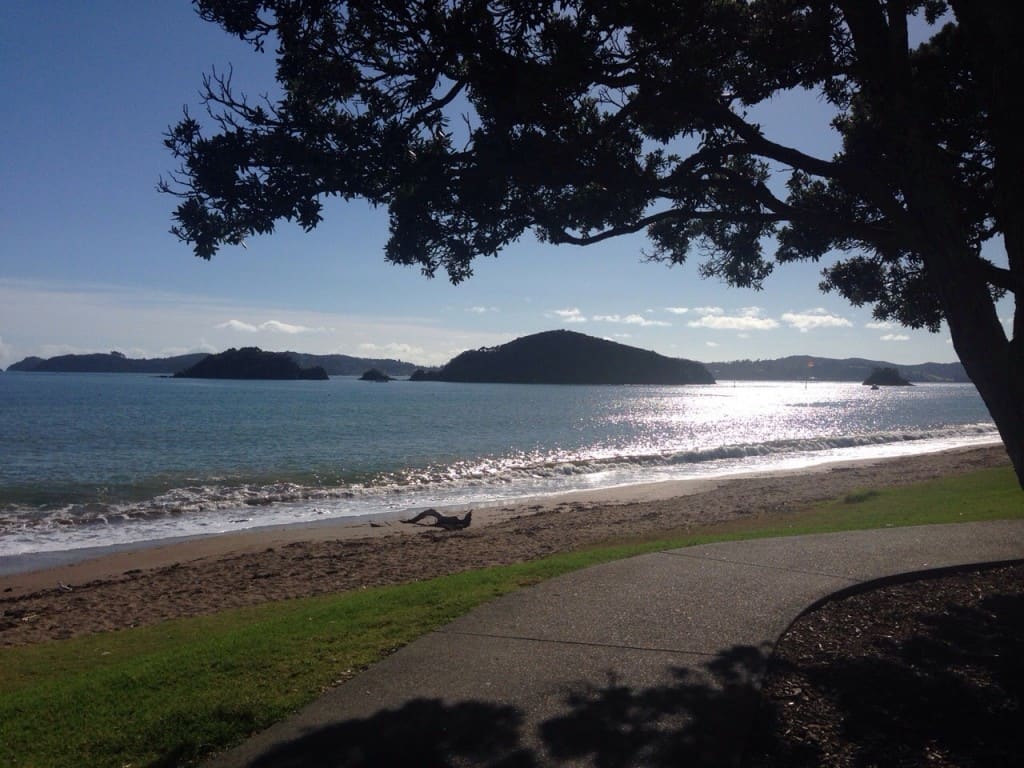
215 508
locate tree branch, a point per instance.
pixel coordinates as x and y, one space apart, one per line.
846 175
1002 278
564 237
437 104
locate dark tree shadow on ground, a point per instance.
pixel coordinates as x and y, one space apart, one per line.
949 695
424 732
949 692
693 720
687 723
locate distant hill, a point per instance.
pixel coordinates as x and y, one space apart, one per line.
566 357
343 365
112 362
801 367
115 362
250 363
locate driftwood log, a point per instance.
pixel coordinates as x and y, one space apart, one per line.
447 522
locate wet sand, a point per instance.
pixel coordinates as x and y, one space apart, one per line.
134 587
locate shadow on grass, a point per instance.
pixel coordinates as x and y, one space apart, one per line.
698 718
952 694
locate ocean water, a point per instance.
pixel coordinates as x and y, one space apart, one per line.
97 459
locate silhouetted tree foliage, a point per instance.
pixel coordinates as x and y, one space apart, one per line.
473 122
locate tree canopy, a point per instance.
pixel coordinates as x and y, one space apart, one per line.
474 122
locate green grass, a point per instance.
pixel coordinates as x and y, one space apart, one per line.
989 494
860 496
172 693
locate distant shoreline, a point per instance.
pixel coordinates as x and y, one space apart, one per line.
792 368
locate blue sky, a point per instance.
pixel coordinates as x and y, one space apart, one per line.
87 263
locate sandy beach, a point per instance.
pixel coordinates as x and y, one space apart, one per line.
206 575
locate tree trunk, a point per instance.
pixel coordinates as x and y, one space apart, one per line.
991 30
994 363
996 366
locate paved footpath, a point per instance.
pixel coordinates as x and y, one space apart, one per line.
651 661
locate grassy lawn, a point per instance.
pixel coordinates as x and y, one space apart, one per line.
173 693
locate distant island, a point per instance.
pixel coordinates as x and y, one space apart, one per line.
886 377
567 357
116 362
111 362
375 374
250 363
852 369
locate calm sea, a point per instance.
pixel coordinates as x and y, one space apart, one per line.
96 459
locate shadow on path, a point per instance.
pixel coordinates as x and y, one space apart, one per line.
689 722
424 732
698 718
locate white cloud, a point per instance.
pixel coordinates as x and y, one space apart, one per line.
238 325
814 318
880 325
709 310
895 337
572 315
630 320
748 320
6 353
677 310
135 352
392 350
275 326
481 310
711 343
202 346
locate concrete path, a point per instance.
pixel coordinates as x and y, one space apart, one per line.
651 661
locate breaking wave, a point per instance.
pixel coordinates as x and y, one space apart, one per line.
222 505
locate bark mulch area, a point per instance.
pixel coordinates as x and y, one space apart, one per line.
925 673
